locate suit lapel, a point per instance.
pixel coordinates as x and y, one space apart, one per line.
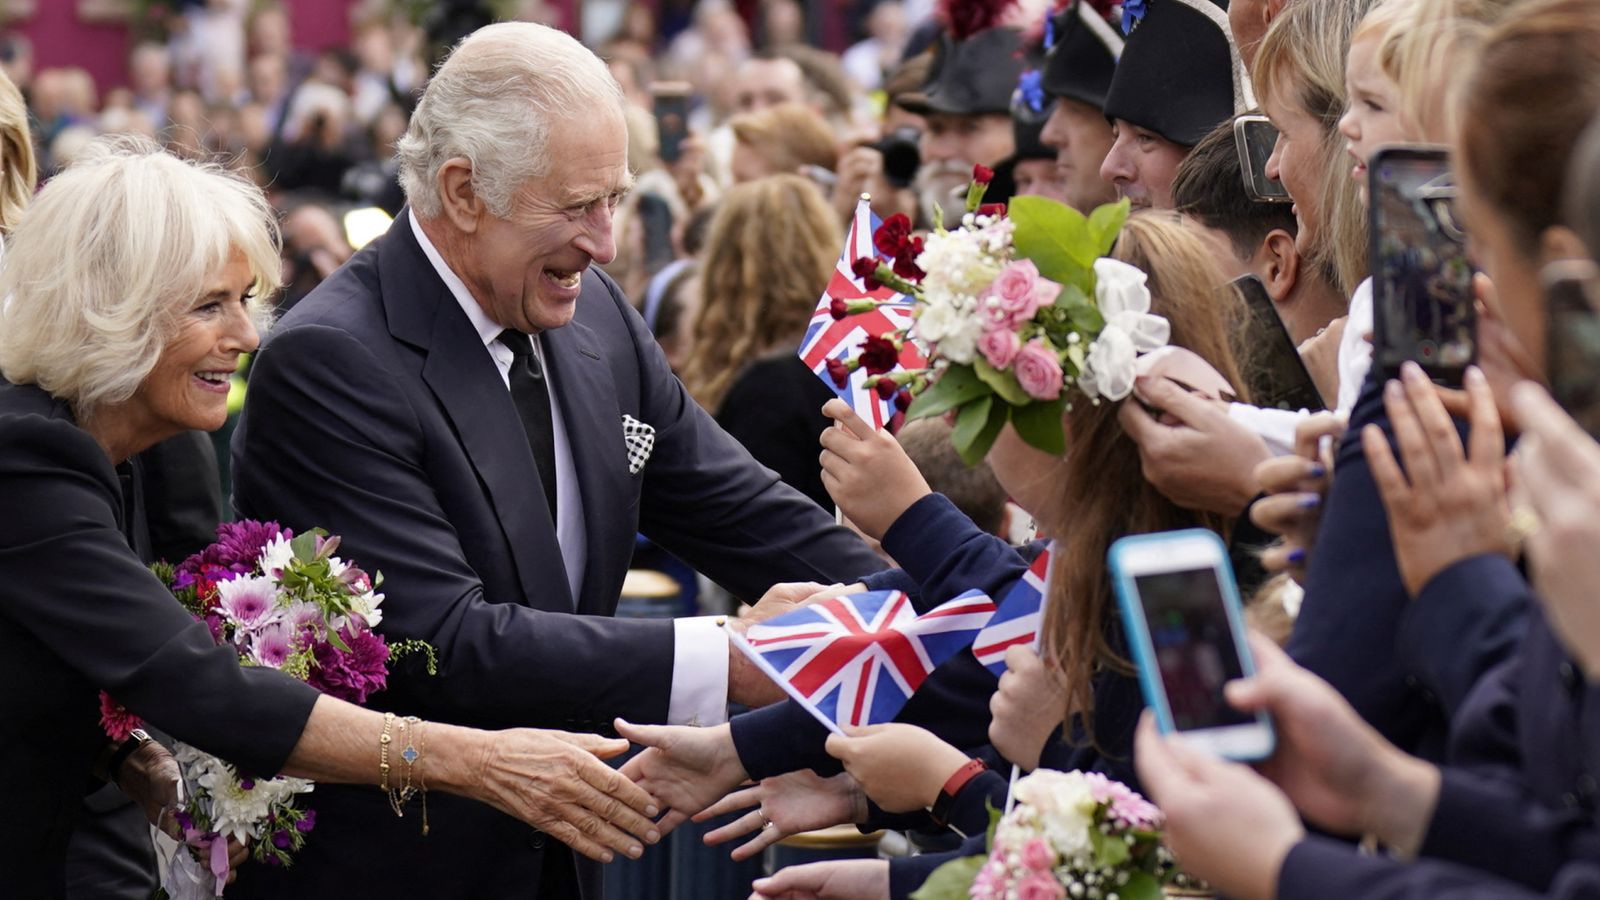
588 399
462 375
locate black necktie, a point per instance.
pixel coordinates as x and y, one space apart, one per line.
531 395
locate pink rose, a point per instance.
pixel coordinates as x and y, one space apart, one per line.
1038 371
1040 886
1037 855
999 346
1018 293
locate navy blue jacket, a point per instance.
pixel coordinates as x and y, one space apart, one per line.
375 412
1405 664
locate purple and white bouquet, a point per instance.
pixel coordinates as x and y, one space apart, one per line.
1076 835
1017 307
285 602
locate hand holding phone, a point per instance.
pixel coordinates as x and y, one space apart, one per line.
1181 613
670 104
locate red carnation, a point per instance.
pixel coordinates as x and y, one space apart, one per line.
839 371
838 309
866 269
891 236
905 264
902 400
879 355
997 210
982 174
885 387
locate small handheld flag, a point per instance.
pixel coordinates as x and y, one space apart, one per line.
856 660
1018 619
827 338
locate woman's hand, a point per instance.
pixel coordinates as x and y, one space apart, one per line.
1448 504
786 805
1296 486
555 781
1557 468
839 879
1030 703
901 767
685 768
866 471
1225 823
1320 354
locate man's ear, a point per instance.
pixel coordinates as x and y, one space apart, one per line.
1278 263
1561 242
461 203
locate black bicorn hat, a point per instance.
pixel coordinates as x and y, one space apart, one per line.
974 75
1083 53
1180 74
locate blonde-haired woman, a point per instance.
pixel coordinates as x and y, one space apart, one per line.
19 172
133 283
772 248
781 139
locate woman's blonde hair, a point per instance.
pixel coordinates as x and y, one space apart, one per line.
1104 493
1301 61
107 258
772 247
19 172
1425 46
787 136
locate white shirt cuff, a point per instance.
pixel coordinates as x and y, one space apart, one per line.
699 672
1275 426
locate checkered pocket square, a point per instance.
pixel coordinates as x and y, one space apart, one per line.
641 439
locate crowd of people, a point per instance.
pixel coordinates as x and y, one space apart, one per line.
506 301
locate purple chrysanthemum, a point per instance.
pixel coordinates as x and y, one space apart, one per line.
237 547
351 675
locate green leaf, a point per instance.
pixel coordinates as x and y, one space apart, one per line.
977 425
304 546
1081 311
1055 237
1140 886
1109 849
957 386
1105 223
1039 424
1004 383
951 881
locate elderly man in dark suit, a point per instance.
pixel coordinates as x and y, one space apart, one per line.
485 420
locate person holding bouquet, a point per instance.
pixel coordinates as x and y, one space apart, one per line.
132 286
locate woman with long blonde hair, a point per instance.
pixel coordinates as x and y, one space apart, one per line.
773 246
19 172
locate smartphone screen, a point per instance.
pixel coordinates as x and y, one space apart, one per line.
671 108
1421 280
1573 351
1193 644
1254 136
1276 375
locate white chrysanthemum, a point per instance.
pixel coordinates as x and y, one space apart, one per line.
934 321
957 263
960 342
274 556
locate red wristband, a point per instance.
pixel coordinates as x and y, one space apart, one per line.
957 781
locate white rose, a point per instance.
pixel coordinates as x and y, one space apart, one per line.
1109 372
1124 300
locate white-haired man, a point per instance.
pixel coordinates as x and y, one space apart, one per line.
484 419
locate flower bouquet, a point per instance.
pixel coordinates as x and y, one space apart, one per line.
285 602
1017 307
1072 835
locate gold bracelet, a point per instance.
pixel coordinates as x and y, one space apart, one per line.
422 745
398 798
383 752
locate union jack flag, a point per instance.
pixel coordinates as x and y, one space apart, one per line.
857 660
827 339
1018 618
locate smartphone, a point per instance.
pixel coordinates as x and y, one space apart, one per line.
1274 372
1181 613
670 103
1572 352
1255 136
1422 298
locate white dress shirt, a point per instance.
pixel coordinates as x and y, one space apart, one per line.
700 647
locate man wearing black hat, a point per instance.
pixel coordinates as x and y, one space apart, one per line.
1083 52
1179 76
967 106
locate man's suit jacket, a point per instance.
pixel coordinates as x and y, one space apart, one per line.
375 411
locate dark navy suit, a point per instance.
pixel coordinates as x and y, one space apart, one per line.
376 412
1405 664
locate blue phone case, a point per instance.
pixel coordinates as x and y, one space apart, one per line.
1137 629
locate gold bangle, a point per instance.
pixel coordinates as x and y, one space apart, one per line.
383 752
